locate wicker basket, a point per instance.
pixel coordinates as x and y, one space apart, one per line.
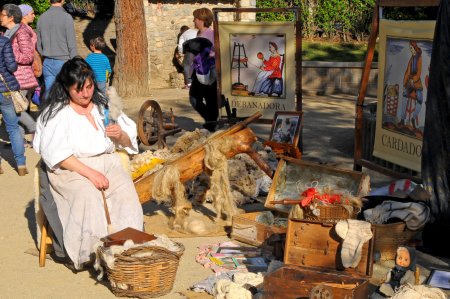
330 213
135 275
388 237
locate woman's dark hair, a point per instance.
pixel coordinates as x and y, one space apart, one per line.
14 11
274 45
75 71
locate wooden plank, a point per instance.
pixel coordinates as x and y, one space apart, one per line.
363 89
387 171
295 282
408 3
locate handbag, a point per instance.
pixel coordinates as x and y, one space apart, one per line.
37 64
20 102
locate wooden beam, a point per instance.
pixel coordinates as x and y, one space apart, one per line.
363 88
387 171
407 3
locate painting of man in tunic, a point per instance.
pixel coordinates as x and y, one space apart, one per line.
404 95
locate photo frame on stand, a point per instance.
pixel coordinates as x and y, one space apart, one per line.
285 133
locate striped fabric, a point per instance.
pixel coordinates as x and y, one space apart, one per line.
100 64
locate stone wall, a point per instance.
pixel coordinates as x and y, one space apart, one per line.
164 20
321 78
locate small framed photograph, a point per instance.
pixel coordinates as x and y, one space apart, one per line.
439 278
286 127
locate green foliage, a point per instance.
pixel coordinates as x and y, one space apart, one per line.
335 18
410 13
328 51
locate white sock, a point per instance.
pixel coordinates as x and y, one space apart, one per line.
354 233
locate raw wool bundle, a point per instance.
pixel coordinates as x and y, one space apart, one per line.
166 187
296 212
220 190
114 103
189 140
409 291
195 224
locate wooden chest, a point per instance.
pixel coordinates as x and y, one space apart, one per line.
313 266
246 229
294 176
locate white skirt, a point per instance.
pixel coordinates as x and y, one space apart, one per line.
80 205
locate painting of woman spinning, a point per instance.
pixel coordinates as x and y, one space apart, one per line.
257 65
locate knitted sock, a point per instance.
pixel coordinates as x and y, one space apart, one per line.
354 233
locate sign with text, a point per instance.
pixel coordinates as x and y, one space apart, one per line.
404 60
258 66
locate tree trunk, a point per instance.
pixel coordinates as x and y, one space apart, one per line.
131 71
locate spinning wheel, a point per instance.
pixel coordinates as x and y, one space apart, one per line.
151 126
321 292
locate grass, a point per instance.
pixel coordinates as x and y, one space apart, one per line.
332 51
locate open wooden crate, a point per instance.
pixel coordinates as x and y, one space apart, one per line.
247 229
292 176
313 265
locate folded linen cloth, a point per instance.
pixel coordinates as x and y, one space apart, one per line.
415 214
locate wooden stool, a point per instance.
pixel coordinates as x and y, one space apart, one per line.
46 240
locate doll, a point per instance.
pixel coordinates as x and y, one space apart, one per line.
402 273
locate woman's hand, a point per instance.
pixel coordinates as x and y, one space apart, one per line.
98 179
113 131
116 133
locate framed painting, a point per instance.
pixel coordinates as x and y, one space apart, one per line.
286 127
404 59
258 66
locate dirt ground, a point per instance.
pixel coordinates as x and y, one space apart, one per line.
327 135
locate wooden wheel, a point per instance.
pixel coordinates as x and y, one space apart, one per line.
150 123
321 292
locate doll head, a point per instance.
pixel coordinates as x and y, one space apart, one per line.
405 257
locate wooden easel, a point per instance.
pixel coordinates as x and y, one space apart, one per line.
359 161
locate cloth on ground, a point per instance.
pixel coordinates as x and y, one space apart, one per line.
415 215
239 287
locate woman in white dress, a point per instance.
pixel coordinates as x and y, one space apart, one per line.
78 149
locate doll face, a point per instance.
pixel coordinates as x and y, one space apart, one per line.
403 259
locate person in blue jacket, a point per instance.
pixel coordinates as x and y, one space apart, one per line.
8 83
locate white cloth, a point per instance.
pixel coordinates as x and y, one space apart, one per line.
69 133
415 214
80 205
187 35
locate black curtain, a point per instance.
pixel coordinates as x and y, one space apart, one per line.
436 140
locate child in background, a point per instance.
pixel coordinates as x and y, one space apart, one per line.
99 62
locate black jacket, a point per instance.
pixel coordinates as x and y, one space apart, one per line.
8 66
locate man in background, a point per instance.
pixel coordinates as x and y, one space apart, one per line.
55 41
186 34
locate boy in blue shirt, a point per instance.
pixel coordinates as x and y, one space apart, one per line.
99 62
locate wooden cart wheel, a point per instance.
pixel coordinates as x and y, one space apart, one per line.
321 292
150 123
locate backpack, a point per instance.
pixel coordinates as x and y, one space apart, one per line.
204 67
